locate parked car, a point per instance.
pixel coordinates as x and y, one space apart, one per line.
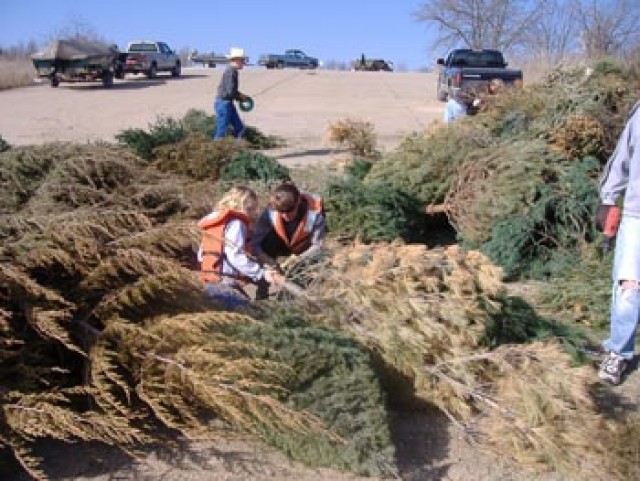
149 58
463 68
290 58
77 60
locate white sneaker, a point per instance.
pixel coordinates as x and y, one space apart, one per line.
612 368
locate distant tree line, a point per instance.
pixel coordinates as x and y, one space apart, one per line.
553 29
76 28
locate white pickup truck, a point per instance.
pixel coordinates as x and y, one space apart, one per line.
149 58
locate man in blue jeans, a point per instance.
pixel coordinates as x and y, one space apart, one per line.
226 113
621 177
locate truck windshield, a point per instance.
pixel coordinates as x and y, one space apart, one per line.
471 58
143 47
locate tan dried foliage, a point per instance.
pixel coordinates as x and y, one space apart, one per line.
579 136
91 259
47 415
196 156
358 136
187 370
426 312
16 73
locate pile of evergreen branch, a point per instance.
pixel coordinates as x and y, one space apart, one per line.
442 319
167 130
105 333
254 166
519 179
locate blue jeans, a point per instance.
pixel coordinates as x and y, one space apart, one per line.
625 302
227 295
226 114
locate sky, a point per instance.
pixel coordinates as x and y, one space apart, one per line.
331 30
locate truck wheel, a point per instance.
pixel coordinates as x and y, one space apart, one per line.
153 71
107 79
442 94
54 81
280 64
176 71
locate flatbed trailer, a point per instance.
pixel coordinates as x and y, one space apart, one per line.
74 60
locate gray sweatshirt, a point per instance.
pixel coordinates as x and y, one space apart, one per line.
228 88
622 172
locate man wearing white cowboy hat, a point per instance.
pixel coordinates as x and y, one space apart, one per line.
226 113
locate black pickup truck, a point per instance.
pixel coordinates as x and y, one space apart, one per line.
463 68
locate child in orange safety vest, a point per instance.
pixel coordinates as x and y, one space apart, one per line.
225 263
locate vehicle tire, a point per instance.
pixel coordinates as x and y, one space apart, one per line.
153 71
177 70
280 65
119 74
107 79
54 81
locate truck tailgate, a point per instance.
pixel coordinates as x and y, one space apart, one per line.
486 74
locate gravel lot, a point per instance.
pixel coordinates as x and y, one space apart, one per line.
297 105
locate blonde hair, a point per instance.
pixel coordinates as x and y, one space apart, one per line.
236 199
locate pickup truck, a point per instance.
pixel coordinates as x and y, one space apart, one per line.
149 58
464 68
291 58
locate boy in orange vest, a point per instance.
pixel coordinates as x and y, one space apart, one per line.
293 223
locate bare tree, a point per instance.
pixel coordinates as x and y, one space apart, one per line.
79 29
500 24
20 50
556 35
608 27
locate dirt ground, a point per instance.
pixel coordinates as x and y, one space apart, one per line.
297 105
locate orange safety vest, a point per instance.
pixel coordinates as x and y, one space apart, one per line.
301 239
213 244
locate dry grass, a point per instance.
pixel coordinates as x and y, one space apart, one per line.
357 135
16 73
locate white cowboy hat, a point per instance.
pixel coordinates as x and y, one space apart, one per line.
236 53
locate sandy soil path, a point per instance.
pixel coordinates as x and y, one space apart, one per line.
297 105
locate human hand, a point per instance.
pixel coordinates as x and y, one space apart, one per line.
274 278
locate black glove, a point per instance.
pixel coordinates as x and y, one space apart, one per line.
601 216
